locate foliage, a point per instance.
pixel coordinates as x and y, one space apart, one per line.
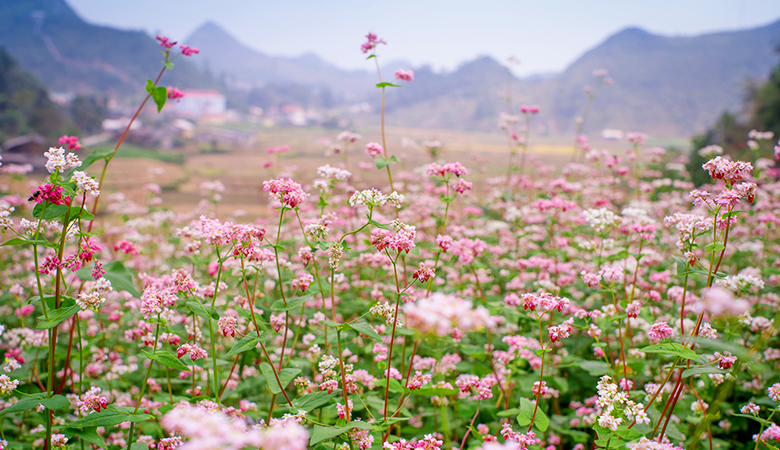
24 103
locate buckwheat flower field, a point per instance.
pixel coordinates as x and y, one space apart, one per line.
603 303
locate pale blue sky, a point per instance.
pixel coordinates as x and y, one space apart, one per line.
545 35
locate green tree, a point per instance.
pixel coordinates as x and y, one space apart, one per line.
25 106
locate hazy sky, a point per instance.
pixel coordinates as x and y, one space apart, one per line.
545 35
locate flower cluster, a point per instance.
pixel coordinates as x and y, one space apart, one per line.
288 192
439 314
57 161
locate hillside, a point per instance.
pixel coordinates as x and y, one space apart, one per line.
663 85
68 54
670 85
245 68
24 104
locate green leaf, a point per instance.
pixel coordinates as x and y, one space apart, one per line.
89 435
159 95
15 241
395 385
247 343
671 348
52 211
627 434
378 225
509 412
149 85
731 214
285 377
293 304
381 163
26 403
168 65
310 402
750 416
320 433
595 368
80 212
330 323
365 328
68 309
393 158
673 432
167 359
55 402
200 310
95 156
541 421
431 391
714 247
386 84
702 370
108 418
139 446
120 277
370 56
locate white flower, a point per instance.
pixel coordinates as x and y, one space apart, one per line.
59 161
85 183
601 219
333 173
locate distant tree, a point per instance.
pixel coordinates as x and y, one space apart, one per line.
766 103
25 106
730 131
88 113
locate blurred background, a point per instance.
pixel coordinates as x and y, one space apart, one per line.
268 74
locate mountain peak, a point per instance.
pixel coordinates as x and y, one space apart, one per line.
211 31
21 11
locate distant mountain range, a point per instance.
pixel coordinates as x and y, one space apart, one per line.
663 85
68 54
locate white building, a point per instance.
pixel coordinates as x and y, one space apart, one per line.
198 104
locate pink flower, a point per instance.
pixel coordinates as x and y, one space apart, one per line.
49 193
726 360
632 310
404 74
439 313
719 301
289 193
91 401
174 94
444 242
418 380
463 186
727 170
374 149
660 330
71 141
454 168
195 352
774 392
529 109
165 42
186 50
424 273
227 325
279 149
128 248
371 42
349 137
